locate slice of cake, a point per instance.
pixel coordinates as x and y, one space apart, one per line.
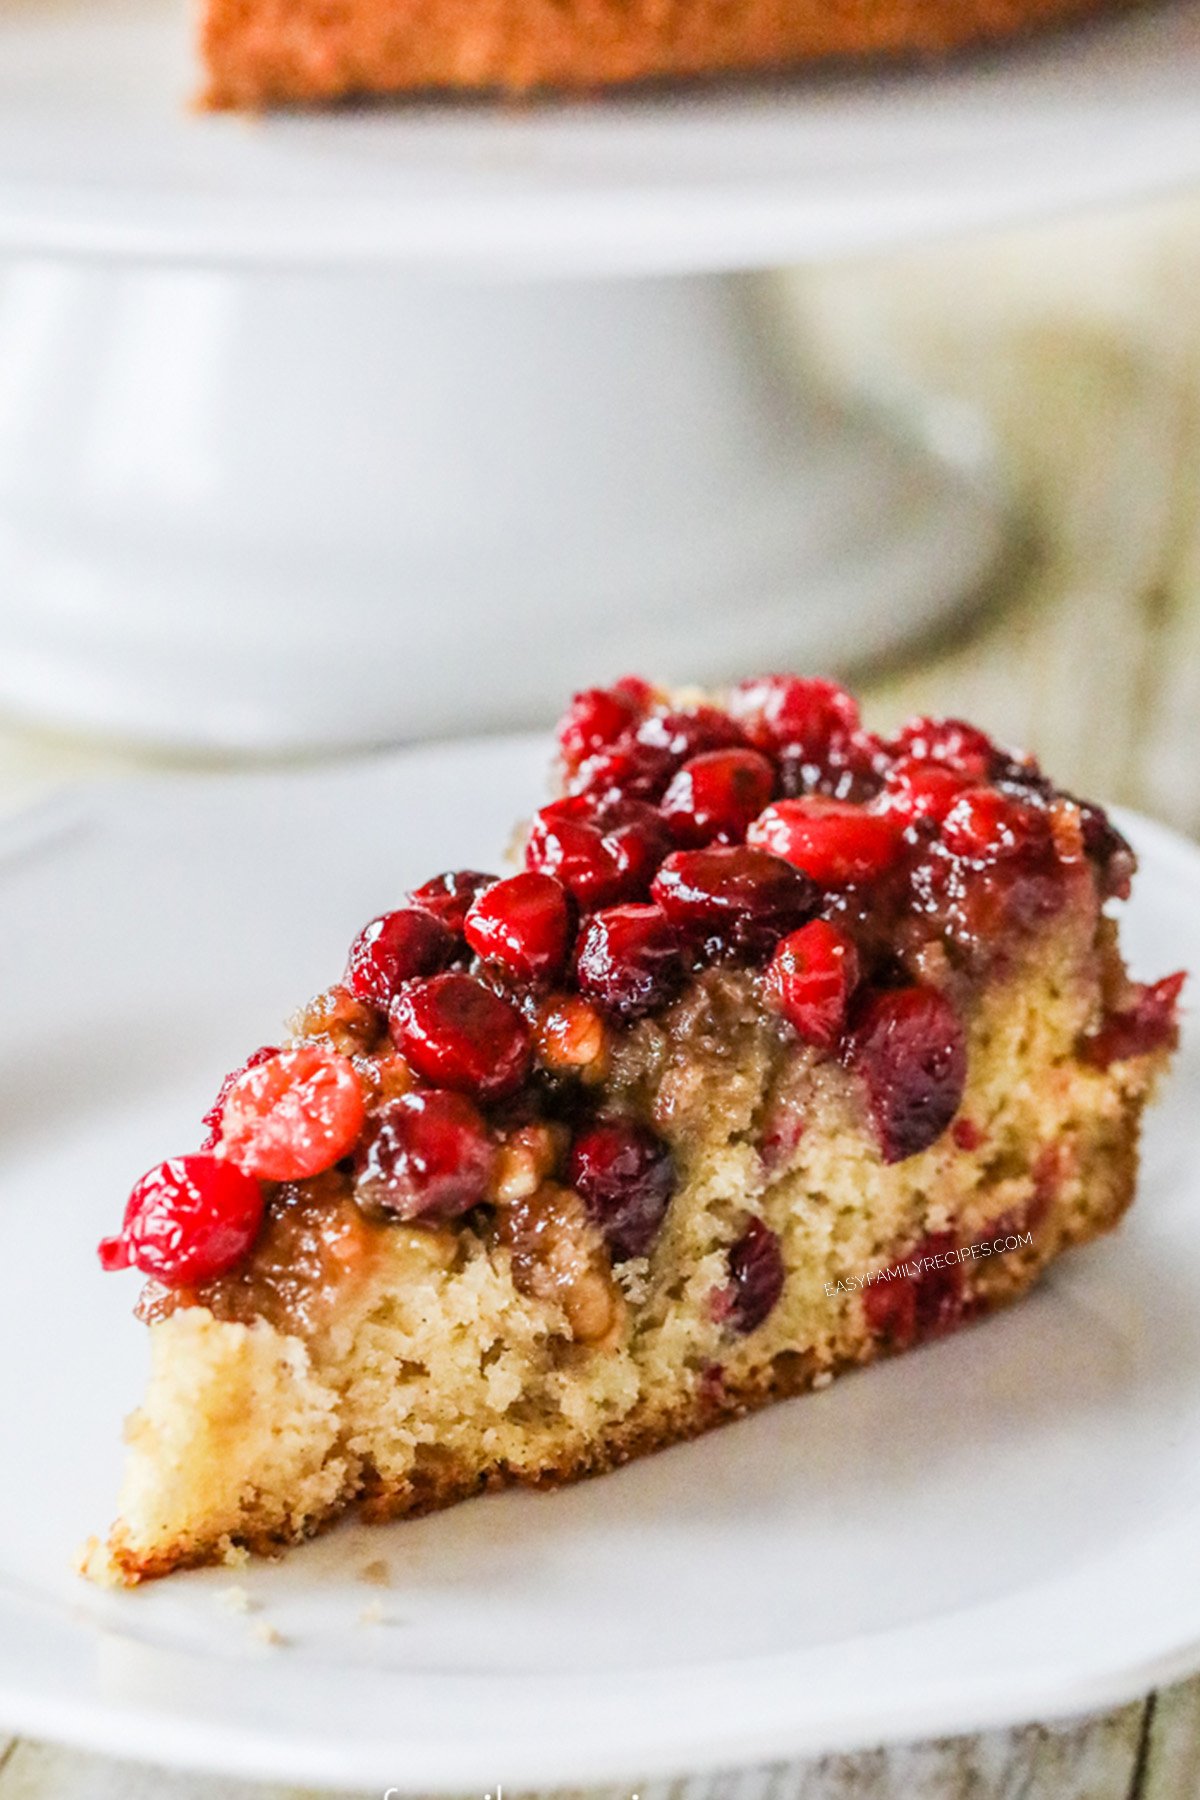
260 53
787 1048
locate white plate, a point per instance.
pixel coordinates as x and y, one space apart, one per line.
1001 1526
98 154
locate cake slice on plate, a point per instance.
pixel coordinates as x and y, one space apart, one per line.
788 1047
260 53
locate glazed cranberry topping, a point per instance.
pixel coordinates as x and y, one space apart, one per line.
851 766
602 851
394 948
716 795
984 825
628 769
1150 1023
216 1111
756 1277
779 711
595 718
448 896
524 924
960 746
686 734
910 1047
626 1178
628 960
742 898
187 1221
293 1116
912 1307
459 1034
810 980
835 842
426 1155
915 790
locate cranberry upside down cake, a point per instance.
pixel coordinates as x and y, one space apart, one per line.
260 53
788 1047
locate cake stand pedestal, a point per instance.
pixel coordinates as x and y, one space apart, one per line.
322 432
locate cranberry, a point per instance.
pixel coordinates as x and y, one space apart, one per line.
782 710
918 1302
628 960
910 1047
1149 1023
1112 854
849 767
756 1277
458 1033
293 1116
627 768
216 1111
716 794
394 948
984 825
596 717
426 1155
524 924
835 842
448 896
960 746
810 980
915 790
640 693
603 851
743 898
686 734
187 1221
626 1177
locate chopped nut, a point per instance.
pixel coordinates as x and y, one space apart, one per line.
572 1038
525 1160
336 1018
558 1255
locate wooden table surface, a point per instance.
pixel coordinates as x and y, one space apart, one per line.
1080 345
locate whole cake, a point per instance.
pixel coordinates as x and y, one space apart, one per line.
261 53
788 1047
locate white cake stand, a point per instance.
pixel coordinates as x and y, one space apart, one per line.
321 431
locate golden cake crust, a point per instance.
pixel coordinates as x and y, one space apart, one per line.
261 53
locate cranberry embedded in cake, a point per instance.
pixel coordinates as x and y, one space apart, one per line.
787 1047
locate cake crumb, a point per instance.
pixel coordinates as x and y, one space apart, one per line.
264 1633
822 1379
376 1573
236 1600
372 1614
234 1556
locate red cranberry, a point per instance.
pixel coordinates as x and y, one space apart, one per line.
915 790
743 899
960 746
602 851
919 1301
810 980
1112 854
626 1177
835 842
985 826
627 768
187 1221
524 924
426 1155
293 1116
1149 1023
216 1111
756 1277
640 693
394 948
628 960
782 710
596 717
459 1034
448 896
715 795
849 767
910 1047
687 734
